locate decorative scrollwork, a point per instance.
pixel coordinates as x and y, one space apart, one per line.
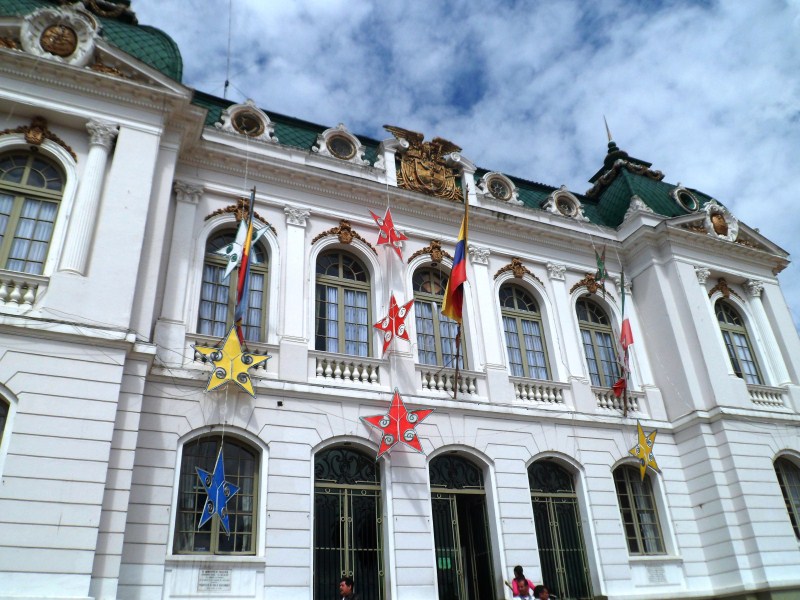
345 466
434 249
589 283
240 210
345 233
518 269
549 478
455 473
722 288
37 132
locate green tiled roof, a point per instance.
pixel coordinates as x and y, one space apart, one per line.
148 44
289 131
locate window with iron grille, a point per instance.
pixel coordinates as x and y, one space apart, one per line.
522 324
637 507
789 479
3 417
241 462
737 342
30 194
218 296
342 305
599 347
436 333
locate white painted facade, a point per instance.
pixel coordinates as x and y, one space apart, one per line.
103 391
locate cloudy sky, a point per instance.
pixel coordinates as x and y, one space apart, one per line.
709 92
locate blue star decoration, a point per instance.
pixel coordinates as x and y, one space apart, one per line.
218 492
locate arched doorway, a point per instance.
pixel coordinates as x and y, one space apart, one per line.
562 552
461 529
348 521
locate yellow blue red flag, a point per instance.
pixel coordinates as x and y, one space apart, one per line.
453 305
242 288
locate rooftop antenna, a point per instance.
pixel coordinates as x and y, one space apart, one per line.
228 65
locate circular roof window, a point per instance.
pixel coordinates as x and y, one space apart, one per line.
248 123
341 147
499 188
565 206
687 200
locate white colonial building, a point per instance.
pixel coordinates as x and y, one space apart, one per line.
117 185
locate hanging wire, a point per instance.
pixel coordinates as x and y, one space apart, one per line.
228 57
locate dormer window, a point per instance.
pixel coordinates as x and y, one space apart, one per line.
247 119
685 199
247 123
337 142
565 203
499 187
341 147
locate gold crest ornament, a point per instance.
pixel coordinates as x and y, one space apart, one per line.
231 363
643 450
423 167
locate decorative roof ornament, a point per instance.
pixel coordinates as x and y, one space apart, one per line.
65 34
636 207
424 166
719 222
109 9
564 203
497 186
616 160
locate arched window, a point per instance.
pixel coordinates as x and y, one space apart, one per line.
522 323
737 342
789 479
241 469
464 564
30 192
598 343
637 507
348 522
218 297
562 552
3 417
436 333
342 305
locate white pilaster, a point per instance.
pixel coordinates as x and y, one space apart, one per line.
293 339
778 374
84 213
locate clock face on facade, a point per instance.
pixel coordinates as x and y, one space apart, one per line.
247 123
59 40
341 147
499 189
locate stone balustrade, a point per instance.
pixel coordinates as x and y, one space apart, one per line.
762 395
538 392
606 400
20 289
344 368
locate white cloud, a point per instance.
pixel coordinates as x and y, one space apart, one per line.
709 92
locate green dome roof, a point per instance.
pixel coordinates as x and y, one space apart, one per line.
148 44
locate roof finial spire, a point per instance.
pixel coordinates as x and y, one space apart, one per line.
608 131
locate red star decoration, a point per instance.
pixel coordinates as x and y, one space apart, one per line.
398 425
388 234
394 325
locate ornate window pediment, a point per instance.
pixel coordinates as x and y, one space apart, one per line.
338 142
499 187
64 34
565 203
249 120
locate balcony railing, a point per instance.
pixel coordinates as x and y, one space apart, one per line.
20 289
437 379
762 395
538 392
343 368
606 400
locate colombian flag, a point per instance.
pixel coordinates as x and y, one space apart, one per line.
453 305
242 288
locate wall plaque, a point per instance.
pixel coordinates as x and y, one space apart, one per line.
214 580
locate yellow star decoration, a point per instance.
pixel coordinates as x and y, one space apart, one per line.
643 450
231 363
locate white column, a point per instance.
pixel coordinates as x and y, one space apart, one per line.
170 332
84 212
769 344
293 358
571 343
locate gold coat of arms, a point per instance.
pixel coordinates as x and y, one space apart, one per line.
423 167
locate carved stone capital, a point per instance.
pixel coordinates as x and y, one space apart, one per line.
296 216
556 271
187 192
102 133
478 255
702 273
754 287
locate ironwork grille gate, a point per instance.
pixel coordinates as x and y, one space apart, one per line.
565 570
348 523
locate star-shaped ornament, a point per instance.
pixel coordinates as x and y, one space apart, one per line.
218 492
388 234
233 251
231 363
398 425
394 324
643 450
